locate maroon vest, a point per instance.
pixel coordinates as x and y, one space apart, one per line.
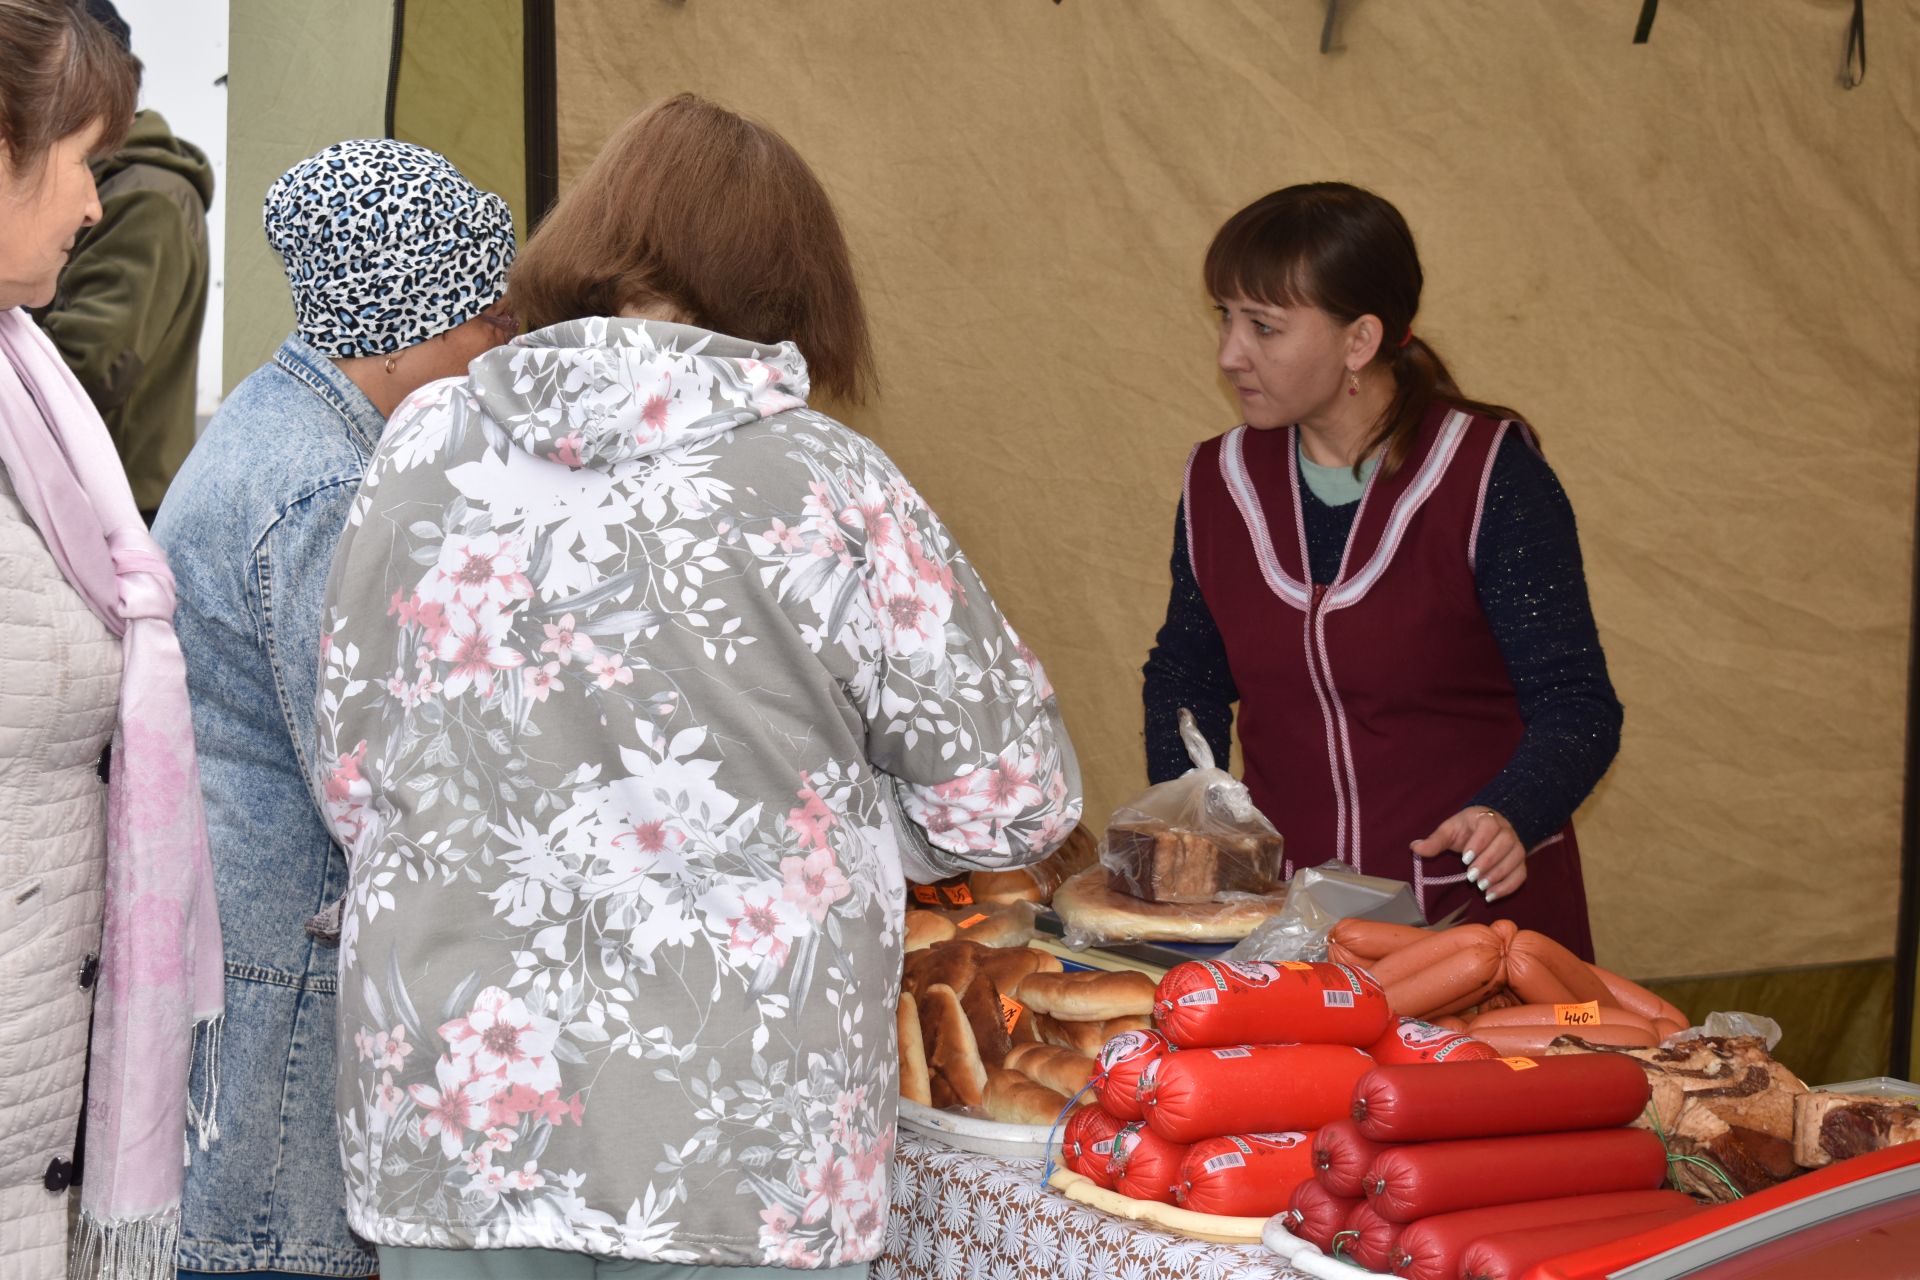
1373 709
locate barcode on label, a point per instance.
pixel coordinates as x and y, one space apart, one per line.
1337 999
1231 1160
1206 995
1233 1053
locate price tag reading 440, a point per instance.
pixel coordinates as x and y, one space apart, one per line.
1577 1015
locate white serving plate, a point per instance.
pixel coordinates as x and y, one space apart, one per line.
970 1133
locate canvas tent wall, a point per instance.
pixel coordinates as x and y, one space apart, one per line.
1691 262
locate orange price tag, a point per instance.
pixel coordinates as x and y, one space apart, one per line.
1520 1064
1296 964
973 920
926 893
1577 1015
1010 1011
959 895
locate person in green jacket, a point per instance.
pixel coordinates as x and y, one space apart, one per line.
134 293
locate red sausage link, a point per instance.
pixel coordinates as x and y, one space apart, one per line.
1218 1003
1086 1144
1431 1249
1419 1180
1505 1096
1262 1088
1116 1081
1315 1214
1249 1175
1372 1240
1510 1255
1145 1165
1341 1158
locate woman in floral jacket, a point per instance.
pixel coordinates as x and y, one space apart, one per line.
644 685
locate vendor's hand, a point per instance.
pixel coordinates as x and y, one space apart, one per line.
1488 844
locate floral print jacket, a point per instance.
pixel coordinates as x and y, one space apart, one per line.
643 688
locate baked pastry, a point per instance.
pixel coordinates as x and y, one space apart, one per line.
1165 864
1057 1068
951 963
1082 1037
952 1055
915 1084
987 1017
1087 996
1094 911
1012 1098
1008 966
995 924
924 928
1037 882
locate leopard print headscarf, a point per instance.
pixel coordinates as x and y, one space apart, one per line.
386 244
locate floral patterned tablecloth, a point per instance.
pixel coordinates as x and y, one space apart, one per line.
959 1216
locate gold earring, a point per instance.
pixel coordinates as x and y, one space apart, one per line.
1353 382
391 360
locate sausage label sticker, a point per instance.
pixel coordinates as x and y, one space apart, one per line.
1520 1064
1233 1053
1226 1160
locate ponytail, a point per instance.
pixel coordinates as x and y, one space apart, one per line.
1420 380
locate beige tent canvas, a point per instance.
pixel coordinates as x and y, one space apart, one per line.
1692 263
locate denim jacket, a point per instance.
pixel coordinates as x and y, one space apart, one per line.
250 526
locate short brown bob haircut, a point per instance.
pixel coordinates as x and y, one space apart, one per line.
60 72
716 216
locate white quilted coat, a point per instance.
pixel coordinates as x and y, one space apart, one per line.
59 680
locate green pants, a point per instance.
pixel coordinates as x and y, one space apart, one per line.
551 1264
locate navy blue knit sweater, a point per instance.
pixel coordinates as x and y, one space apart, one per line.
1533 589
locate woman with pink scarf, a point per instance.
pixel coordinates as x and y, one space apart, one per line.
105 893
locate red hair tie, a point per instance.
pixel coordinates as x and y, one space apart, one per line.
1407 337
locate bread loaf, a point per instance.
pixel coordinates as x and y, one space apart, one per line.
1012 1098
1087 996
924 928
1092 909
1165 864
952 1055
914 1082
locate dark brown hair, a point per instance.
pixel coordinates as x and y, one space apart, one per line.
716 216
1350 253
60 72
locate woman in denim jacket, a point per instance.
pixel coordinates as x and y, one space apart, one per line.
397 265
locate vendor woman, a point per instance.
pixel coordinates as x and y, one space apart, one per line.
1385 576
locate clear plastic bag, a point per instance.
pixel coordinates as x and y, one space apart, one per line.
1194 839
1733 1024
1319 898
